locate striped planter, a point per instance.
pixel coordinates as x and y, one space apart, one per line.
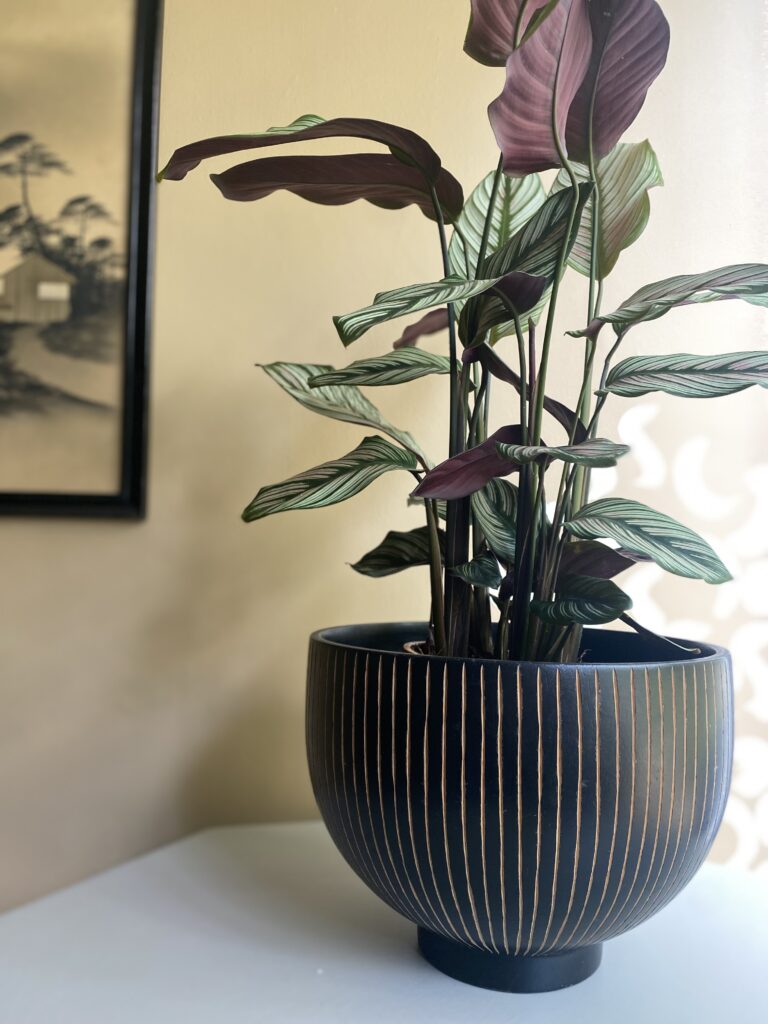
519 814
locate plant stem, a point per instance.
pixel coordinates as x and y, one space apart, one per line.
489 216
436 577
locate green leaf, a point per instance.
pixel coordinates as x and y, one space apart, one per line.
396 367
346 404
482 571
332 482
516 202
644 530
748 281
624 178
596 452
535 249
583 600
495 509
398 551
402 301
689 376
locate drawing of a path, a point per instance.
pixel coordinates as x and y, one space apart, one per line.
83 379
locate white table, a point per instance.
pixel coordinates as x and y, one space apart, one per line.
268 924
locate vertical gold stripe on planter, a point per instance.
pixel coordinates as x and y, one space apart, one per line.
598 787
425 746
409 803
558 822
519 943
367 859
639 902
539 780
617 730
668 834
500 766
633 780
577 847
649 764
345 789
661 896
393 768
451 884
330 684
482 811
463 797
408 900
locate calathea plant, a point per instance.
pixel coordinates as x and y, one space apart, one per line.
519 557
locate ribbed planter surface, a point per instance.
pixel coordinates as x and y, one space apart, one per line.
519 814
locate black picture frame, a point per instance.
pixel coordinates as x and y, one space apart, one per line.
129 502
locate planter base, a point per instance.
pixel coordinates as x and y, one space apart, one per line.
506 972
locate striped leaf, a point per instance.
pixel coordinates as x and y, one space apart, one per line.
402 301
332 482
624 178
535 250
397 367
482 571
689 376
748 281
596 453
517 201
338 403
495 509
398 551
643 530
583 600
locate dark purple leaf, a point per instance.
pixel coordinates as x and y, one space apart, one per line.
497 27
631 41
403 143
432 322
336 180
495 365
591 558
529 118
466 473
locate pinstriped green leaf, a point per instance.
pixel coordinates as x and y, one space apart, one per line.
747 281
402 301
332 482
583 600
624 179
398 551
396 367
689 376
482 571
516 202
338 403
495 509
596 452
642 529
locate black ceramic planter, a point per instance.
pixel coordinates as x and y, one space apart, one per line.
519 814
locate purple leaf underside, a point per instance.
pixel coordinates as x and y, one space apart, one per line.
466 473
401 140
431 323
496 25
336 180
631 42
529 118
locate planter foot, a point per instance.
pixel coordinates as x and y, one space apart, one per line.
506 972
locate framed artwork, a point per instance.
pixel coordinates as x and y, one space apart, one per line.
78 103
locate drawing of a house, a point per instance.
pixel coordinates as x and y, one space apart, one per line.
35 291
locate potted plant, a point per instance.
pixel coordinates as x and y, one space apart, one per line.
516 780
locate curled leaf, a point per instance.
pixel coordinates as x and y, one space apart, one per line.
583 600
463 474
398 551
482 571
397 367
432 322
595 453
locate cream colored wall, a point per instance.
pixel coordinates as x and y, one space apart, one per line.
152 673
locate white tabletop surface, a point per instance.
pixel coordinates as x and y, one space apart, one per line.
268 924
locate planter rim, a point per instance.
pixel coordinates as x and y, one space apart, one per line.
342 637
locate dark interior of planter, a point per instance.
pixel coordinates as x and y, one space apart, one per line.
599 646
